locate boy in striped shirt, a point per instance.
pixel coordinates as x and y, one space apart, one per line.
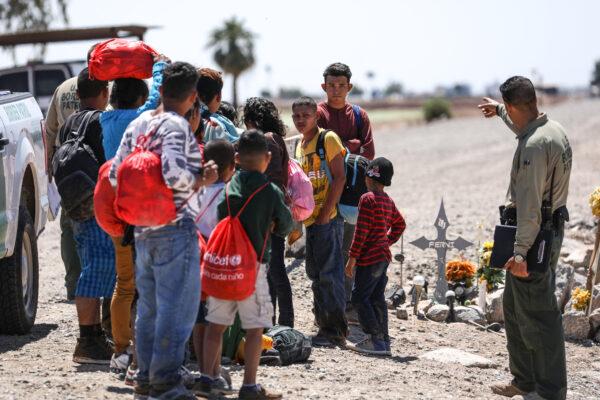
379 225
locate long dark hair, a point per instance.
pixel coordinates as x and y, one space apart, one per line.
264 115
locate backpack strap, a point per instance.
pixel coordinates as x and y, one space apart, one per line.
320 150
262 253
247 200
357 118
143 140
82 129
208 205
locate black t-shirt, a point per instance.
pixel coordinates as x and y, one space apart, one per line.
93 132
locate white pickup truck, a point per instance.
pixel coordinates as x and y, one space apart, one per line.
23 208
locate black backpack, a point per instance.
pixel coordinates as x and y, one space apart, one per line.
75 170
356 170
293 346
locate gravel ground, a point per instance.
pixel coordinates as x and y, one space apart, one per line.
467 162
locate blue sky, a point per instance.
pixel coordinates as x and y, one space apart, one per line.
421 43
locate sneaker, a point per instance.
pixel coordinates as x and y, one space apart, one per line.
141 391
120 362
205 386
187 378
320 340
178 392
370 346
92 350
388 346
507 390
130 376
257 393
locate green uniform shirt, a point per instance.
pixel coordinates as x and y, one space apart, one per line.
543 149
266 206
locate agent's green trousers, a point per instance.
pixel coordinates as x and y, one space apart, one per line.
534 331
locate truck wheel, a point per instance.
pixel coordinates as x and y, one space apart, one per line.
19 280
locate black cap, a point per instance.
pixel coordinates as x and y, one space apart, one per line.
381 170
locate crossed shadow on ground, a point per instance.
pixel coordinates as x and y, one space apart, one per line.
14 342
295 264
91 368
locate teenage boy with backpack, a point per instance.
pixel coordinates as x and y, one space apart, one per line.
75 165
167 256
261 209
352 125
324 228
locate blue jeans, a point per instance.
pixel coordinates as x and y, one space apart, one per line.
368 298
325 268
168 284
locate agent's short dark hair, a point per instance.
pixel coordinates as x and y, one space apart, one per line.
305 101
227 110
87 87
252 143
221 152
126 91
210 84
264 115
518 90
179 81
338 69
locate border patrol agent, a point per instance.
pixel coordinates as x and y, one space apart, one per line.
533 320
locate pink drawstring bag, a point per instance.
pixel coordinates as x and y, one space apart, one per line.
300 192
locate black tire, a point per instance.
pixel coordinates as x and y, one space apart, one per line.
18 302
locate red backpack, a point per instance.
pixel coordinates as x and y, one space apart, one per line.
143 198
104 204
229 261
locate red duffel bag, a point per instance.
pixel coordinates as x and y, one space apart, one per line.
104 204
121 58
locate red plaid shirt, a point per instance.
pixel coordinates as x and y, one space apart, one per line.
379 225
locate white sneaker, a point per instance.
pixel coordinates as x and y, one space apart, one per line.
120 362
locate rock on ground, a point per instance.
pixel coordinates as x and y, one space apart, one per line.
576 325
447 355
564 284
438 312
495 310
595 320
467 314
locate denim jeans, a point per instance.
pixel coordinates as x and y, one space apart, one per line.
368 298
279 283
325 269
168 283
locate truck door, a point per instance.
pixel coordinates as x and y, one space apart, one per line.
4 141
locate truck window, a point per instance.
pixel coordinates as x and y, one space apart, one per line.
47 80
14 81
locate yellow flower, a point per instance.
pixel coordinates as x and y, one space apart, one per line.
488 245
581 298
595 202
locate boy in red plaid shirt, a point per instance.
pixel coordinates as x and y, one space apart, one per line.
379 225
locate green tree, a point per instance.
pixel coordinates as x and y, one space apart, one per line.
234 50
393 88
32 15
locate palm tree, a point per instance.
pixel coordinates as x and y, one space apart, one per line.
234 50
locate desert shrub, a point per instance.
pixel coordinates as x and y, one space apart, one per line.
435 109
